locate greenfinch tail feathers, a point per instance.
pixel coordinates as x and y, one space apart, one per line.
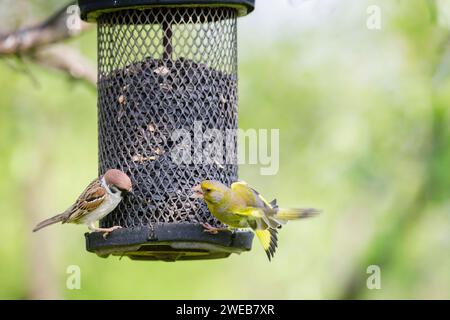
269 241
294 214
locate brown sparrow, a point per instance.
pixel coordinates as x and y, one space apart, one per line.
100 198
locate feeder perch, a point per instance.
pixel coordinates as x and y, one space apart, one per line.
165 65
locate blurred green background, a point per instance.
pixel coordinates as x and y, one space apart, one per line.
364 134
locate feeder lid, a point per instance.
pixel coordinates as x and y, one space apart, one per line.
91 9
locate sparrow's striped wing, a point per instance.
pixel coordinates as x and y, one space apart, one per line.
91 198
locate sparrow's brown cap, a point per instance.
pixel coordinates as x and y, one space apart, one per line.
119 179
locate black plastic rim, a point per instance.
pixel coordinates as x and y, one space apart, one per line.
169 242
92 9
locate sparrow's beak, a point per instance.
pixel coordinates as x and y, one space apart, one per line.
197 192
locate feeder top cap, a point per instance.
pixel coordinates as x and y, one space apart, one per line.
92 9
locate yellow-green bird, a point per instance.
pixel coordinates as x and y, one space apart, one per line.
243 207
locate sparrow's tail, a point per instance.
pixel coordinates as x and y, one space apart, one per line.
294 214
52 220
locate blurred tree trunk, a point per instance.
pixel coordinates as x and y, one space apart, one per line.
42 278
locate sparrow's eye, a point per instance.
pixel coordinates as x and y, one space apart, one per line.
113 189
207 190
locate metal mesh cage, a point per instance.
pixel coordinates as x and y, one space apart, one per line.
164 70
158 74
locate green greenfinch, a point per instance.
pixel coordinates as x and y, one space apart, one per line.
243 207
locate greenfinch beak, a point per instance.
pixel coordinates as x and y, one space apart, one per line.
197 192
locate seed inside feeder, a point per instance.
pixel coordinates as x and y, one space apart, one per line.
153 98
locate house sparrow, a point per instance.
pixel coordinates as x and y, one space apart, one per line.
100 198
243 207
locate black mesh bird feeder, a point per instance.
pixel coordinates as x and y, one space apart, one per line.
165 68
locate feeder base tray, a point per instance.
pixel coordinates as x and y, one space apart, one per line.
169 242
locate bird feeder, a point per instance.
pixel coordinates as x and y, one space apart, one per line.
166 68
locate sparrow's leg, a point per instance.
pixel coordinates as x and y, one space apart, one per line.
106 231
212 230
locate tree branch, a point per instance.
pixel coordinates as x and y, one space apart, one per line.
52 30
67 59
38 42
